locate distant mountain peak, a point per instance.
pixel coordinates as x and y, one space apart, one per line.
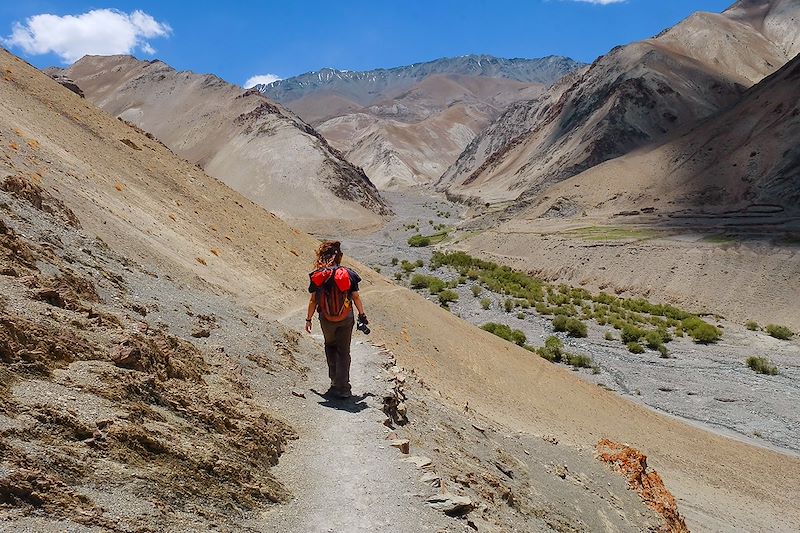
360 85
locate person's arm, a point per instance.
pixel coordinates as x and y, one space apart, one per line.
358 303
312 304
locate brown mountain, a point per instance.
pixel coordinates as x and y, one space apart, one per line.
252 144
406 125
629 98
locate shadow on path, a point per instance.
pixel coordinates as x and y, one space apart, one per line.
353 404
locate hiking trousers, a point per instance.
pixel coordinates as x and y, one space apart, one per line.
337 351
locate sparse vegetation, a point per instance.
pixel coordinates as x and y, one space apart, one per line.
779 332
447 296
572 326
501 330
609 336
762 365
553 350
521 316
419 241
486 303
476 290
432 283
752 325
701 331
580 361
635 347
395 261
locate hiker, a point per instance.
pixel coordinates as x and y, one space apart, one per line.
334 290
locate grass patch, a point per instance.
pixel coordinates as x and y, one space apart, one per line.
610 233
779 332
419 241
762 365
486 303
432 283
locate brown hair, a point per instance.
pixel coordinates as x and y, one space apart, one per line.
329 254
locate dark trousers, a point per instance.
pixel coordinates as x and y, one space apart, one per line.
337 351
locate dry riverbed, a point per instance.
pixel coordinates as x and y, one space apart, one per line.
702 384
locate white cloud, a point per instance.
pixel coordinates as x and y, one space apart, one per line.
100 32
260 78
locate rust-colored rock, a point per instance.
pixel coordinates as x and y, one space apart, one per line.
632 464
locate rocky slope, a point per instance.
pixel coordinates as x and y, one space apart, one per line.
255 146
632 97
406 125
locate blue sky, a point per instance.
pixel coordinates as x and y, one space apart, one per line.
237 40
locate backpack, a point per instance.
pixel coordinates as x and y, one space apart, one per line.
333 292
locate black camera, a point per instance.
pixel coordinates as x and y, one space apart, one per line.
361 324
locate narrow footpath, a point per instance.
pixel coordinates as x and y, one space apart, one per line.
344 475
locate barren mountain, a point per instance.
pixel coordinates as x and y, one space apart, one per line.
150 345
255 146
633 96
406 125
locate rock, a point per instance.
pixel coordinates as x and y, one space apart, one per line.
401 444
504 469
201 333
298 393
69 84
479 428
124 355
419 461
450 504
432 479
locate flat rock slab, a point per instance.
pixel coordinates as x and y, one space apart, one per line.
419 461
450 504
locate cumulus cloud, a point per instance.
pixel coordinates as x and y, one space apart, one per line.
260 79
100 32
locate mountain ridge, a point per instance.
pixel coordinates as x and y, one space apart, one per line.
541 70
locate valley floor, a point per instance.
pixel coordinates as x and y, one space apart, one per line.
709 385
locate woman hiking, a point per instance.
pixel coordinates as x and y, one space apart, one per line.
334 290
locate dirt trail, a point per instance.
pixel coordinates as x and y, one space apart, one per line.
344 475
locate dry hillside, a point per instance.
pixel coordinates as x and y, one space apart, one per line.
153 292
257 147
633 96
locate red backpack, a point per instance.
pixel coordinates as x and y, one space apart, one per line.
333 292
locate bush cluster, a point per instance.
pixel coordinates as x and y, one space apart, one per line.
572 326
762 365
419 241
501 330
779 332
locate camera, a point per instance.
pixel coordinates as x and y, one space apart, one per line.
361 325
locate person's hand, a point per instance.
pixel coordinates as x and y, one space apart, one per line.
308 326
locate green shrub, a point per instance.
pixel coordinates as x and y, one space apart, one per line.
572 326
580 361
377 269
610 336
447 296
553 350
663 351
654 339
521 316
631 333
504 332
476 290
635 347
419 241
395 261
701 331
419 263
752 325
508 305
486 303
779 332
762 365
398 276
432 283
407 266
